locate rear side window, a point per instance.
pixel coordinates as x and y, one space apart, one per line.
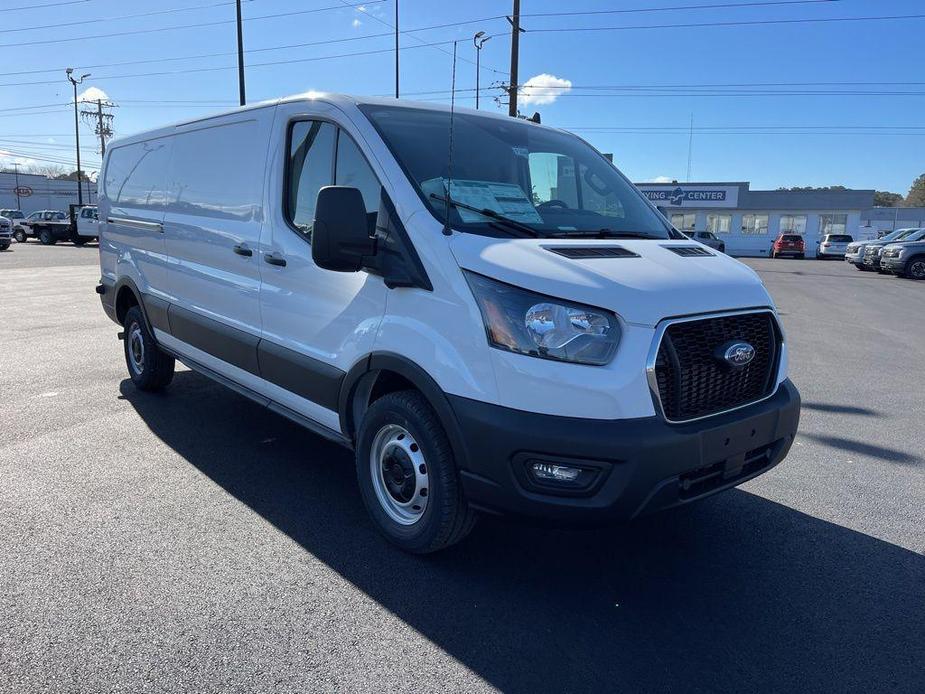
135 174
217 172
320 154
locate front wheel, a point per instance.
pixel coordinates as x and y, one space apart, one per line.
916 269
20 236
78 240
148 366
408 477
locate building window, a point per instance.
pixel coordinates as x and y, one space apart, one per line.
754 224
684 221
719 223
793 224
833 224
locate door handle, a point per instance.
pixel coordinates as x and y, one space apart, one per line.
275 259
242 249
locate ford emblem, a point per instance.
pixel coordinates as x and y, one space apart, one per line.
736 353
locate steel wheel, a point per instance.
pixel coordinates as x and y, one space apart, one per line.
399 474
136 349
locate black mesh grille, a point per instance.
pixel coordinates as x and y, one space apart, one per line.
693 382
688 251
586 252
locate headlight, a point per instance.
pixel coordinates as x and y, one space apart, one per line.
880 250
521 321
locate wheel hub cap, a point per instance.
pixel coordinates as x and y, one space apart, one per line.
136 348
399 474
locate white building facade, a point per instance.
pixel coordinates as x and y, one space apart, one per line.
748 220
31 192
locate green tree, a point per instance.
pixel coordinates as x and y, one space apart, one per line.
916 196
884 198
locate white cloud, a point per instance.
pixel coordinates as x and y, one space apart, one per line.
92 94
662 179
543 89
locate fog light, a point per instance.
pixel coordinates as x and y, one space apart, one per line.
555 473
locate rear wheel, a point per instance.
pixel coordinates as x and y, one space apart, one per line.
148 366
800 256
47 238
408 477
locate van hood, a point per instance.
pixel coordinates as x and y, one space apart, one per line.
654 284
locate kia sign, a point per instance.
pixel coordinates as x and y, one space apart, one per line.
23 191
696 196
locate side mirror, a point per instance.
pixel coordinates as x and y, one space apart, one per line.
340 234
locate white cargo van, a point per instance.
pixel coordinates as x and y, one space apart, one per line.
503 324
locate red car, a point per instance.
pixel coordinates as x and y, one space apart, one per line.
788 244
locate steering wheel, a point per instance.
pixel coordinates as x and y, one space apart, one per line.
554 203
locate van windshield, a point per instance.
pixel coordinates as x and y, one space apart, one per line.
549 181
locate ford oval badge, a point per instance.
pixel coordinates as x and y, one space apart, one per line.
737 353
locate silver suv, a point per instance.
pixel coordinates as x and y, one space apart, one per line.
707 238
906 259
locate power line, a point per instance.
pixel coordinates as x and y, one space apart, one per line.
713 6
39 7
181 26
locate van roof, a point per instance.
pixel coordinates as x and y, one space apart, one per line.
344 101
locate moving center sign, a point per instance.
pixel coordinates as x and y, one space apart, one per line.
675 195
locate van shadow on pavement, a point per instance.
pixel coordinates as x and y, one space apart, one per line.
736 593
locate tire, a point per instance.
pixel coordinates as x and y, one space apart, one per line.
78 240
20 236
915 268
400 438
800 256
46 238
4 246
149 368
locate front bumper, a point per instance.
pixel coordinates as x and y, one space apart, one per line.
641 465
895 265
854 258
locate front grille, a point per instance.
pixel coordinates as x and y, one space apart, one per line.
694 382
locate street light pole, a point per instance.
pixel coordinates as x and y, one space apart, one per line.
16 174
75 82
396 49
478 41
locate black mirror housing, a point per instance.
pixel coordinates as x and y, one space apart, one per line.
340 233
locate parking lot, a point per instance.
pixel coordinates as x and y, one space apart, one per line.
192 541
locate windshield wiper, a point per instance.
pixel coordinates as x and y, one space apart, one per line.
508 223
605 234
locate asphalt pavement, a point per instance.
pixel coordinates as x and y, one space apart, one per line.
193 541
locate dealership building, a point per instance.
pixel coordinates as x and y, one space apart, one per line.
31 192
748 220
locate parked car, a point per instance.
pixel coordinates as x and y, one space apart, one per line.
873 250
86 224
907 258
49 226
497 343
707 238
856 251
788 244
16 217
833 246
6 233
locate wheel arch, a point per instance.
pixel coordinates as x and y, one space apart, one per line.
384 372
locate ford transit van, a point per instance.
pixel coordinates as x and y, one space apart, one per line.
482 308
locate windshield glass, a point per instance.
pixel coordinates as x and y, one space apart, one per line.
550 181
13 214
915 236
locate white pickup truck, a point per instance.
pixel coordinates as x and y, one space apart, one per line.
87 226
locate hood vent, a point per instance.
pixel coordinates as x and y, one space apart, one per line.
688 251
591 252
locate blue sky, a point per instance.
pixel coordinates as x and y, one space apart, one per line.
633 91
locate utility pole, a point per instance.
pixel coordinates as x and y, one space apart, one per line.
690 149
240 56
514 19
478 41
75 82
101 122
396 49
